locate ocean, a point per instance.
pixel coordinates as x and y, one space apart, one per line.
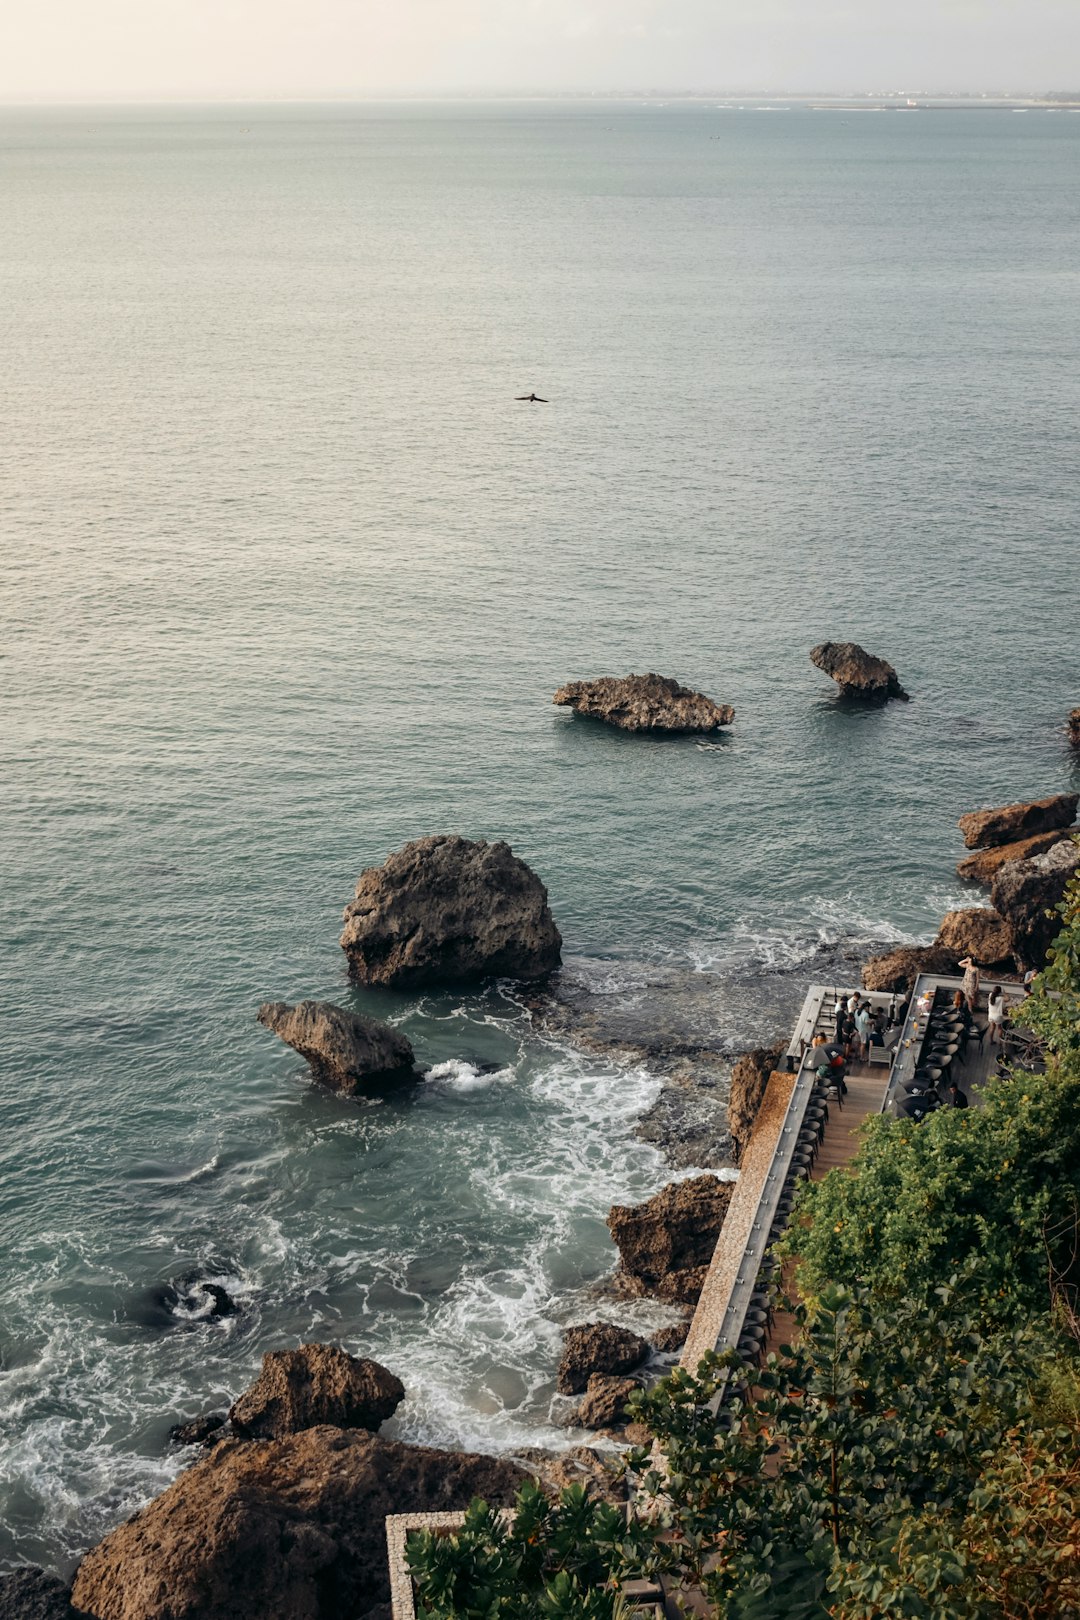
289 578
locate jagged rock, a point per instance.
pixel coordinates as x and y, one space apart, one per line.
1073 727
897 970
982 828
857 672
666 1340
984 863
665 1244
316 1384
30 1594
207 1430
1027 894
580 1465
447 910
749 1077
977 932
644 703
605 1401
597 1347
342 1049
291 1528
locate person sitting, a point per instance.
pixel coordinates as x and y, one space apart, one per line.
828 1060
876 1037
925 1003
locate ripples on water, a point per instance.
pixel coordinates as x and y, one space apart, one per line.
290 579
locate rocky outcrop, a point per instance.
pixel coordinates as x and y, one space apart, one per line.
665 1244
207 1430
666 1340
316 1384
447 910
30 1594
644 703
980 933
1027 894
749 1077
991 828
292 1529
604 1405
984 863
897 970
597 1347
342 1049
857 673
1072 727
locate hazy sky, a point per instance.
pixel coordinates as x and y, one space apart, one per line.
73 49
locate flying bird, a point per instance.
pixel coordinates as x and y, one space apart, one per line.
532 399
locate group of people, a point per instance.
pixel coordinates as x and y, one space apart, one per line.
858 1027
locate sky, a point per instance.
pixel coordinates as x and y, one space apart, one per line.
163 49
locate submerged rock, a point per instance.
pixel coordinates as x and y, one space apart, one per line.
978 932
1027 894
665 1244
897 970
1010 822
985 863
291 1528
341 1048
749 1077
858 674
604 1405
447 910
597 1347
644 703
30 1594
316 1384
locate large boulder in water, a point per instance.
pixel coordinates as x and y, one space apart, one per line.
749 1077
597 1347
980 933
984 864
316 1384
1010 822
447 910
858 674
291 1529
342 1048
666 1244
1028 893
897 970
644 703
30 1594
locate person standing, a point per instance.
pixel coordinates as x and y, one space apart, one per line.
995 1012
971 984
862 1030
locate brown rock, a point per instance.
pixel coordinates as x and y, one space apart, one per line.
580 1465
1073 727
1014 821
30 1594
897 970
290 1529
644 703
984 863
605 1402
749 1077
857 672
1028 893
342 1048
317 1384
597 1347
666 1340
665 1244
447 911
977 932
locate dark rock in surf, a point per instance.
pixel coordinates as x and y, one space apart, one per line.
604 1405
1072 727
1010 822
858 674
342 1049
597 1347
291 1528
666 1244
448 910
207 1430
1028 893
749 1077
984 864
316 1384
30 1594
897 970
190 1302
650 703
667 1340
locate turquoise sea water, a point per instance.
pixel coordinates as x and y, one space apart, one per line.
289 578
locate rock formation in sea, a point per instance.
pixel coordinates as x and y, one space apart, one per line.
644 703
1009 822
749 1077
448 910
30 1594
1072 727
604 1403
858 674
597 1347
291 1529
666 1340
316 1384
665 1244
342 1049
208 1430
978 932
896 970
1027 894
981 866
